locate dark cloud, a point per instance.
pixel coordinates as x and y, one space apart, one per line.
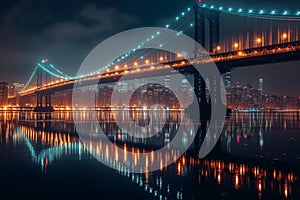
93 22
31 31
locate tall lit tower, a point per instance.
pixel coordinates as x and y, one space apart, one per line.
167 81
261 85
228 80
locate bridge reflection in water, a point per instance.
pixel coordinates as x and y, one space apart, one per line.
188 177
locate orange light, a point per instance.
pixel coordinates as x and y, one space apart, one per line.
284 35
258 40
218 48
236 45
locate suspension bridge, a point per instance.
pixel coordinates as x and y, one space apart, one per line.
233 37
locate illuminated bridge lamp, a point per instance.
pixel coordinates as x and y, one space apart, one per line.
284 36
236 45
218 48
258 41
45 60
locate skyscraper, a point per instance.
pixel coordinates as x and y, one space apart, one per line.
228 80
3 93
167 81
261 85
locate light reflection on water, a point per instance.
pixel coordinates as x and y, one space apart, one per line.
268 137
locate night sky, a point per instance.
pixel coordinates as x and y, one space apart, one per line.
66 31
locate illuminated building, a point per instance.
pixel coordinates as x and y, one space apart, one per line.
261 85
167 81
3 93
228 80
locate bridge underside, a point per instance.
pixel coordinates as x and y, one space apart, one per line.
223 62
228 65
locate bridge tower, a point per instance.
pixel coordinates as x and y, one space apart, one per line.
40 106
201 36
201 15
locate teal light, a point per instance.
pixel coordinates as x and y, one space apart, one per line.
188 9
182 13
240 10
298 13
167 26
221 8
229 9
285 13
191 25
250 11
261 12
211 7
273 12
204 5
177 18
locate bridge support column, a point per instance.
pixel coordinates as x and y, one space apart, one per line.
201 15
200 92
43 108
39 103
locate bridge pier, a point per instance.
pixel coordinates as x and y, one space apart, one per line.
200 92
40 108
